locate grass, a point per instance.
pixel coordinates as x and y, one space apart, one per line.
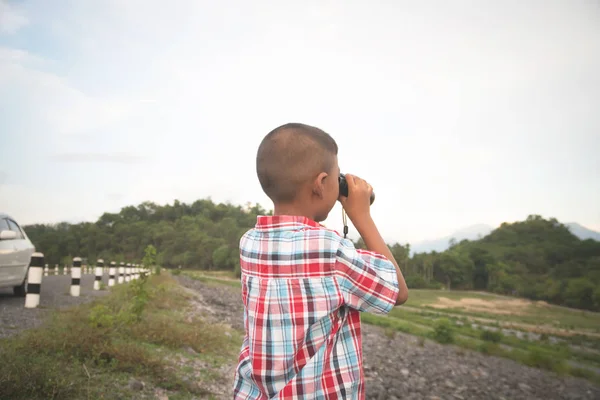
214 278
141 330
532 313
559 350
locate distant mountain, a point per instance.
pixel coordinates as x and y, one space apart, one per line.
470 233
582 232
480 230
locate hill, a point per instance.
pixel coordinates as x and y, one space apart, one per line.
540 259
480 230
198 235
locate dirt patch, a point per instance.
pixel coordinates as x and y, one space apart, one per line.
506 307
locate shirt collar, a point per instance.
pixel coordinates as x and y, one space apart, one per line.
284 222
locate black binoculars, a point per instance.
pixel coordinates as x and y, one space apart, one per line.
344 187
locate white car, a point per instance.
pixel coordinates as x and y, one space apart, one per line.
15 254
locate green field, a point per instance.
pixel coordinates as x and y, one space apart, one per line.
507 309
559 339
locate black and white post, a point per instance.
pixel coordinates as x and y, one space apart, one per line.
111 274
127 272
76 277
98 270
34 280
46 270
121 272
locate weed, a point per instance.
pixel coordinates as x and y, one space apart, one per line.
491 336
489 348
443 331
390 332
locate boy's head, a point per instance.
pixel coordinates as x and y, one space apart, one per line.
298 169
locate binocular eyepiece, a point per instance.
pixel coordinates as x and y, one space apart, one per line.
344 187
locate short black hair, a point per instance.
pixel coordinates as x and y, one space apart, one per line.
289 156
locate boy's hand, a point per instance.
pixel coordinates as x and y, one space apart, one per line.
358 202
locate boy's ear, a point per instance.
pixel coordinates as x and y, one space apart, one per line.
319 184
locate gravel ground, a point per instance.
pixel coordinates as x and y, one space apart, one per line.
55 294
398 368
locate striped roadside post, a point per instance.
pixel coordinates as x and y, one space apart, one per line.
76 277
56 269
127 272
121 272
64 269
99 270
111 274
46 270
34 280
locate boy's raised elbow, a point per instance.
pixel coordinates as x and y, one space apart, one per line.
402 297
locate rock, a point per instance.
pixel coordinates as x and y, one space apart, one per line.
136 385
404 372
382 395
449 384
524 387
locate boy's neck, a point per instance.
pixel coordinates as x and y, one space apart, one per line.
294 210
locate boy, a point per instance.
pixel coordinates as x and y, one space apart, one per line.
303 285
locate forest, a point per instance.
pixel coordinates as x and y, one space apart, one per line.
538 258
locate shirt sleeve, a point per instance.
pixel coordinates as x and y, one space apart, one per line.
368 280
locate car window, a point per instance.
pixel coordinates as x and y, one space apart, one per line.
14 227
4 225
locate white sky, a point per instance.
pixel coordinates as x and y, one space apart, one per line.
458 112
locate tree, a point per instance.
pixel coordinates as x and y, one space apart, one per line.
149 259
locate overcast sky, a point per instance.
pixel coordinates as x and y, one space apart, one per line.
457 112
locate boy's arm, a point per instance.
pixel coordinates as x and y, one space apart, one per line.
375 243
366 279
357 205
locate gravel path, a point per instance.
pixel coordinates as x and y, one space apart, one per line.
398 368
55 294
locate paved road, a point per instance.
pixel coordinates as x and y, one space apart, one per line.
55 293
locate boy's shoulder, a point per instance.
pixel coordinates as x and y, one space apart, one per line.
321 231
319 236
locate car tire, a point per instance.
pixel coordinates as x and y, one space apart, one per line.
21 291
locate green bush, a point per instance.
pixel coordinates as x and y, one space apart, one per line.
443 331
491 336
540 359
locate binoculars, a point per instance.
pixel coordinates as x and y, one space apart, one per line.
344 187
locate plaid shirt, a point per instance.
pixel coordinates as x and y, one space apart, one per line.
303 287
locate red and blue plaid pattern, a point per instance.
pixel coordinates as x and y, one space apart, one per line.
303 287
